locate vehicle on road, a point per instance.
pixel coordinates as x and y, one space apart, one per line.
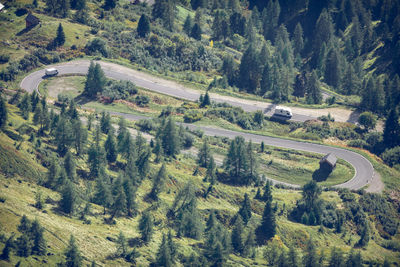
283 111
51 72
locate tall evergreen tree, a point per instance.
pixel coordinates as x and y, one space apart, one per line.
188 25
163 257
60 38
158 182
204 154
313 90
80 134
69 197
298 39
391 132
267 228
245 209
228 69
143 28
70 166
95 80
3 113
39 246
310 258
237 238
165 10
336 259
146 224
119 206
102 193
196 32
121 245
250 70
293 258
332 69
169 138
110 147
73 256
96 160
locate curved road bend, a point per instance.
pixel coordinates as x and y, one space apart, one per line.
32 81
364 170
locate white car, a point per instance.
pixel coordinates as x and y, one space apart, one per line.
51 72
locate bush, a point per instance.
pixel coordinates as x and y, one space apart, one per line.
192 116
358 143
187 140
391 156
119 89
97 45
142 100
4 58
146 125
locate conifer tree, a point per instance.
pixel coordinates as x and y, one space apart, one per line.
250 70
391 131
245 209
204 154
105 122
69 166
169 138
298 39
110 147
102 193
73 256
163 257
121 245
365 235
267 228
146 226
130 193
211 175
25 106
158 183
96 159
205 101
39 246
68 200
237 239
24 225
336 259
165 10
310 258
80 134
119 204
354 259
332 69
63 135
24 246
3 113
52 174
188 25
9 245
293 258
95 80
60 38
313 90
249 244
143 28
196 32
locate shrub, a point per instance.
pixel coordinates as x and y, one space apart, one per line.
119 89
142 100
146 125
192 116
391 156
358 143
4 58
187 140
97 45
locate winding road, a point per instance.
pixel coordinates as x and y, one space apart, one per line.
364 171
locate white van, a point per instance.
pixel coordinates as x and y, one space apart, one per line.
283 111
51 72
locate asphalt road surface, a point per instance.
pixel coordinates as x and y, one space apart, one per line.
364 171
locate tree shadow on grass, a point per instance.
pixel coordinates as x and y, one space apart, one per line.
321 175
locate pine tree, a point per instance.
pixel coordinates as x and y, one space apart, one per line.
96 160
121 245
130 192
196 32
63 135
39 246
102 193
169 138
24 225
3 113
293 258
237 239
188 25
365 235
24 246
25 106
9 245
95 80
70 166
73 256
163 257
354 259
205 101
267 196
323 30
332 69
391 132
267 228
298 39
119 206
165 10
245 209
313 90
60 38
336 259
146 226
143 28
35 3
311 192
250 70
249 244
52 174
80 134
158 182
204 154
228 69
68 200
110 147
310 257
105 122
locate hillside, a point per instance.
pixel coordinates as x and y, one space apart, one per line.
103 172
